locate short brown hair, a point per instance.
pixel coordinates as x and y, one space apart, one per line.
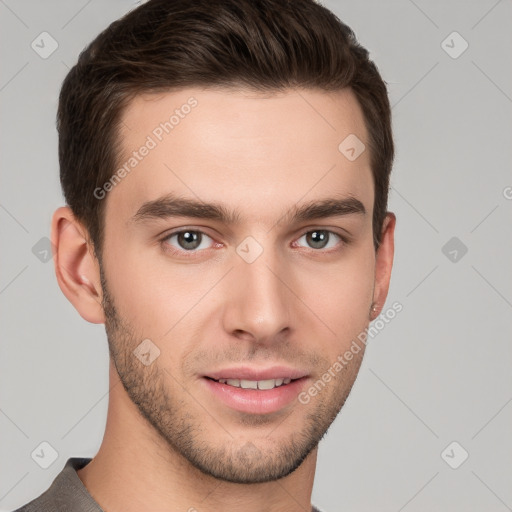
264 45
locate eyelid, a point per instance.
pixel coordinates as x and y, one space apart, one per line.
177 251
345 239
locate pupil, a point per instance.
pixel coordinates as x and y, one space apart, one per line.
189 239
317 239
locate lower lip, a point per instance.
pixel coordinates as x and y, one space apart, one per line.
256 401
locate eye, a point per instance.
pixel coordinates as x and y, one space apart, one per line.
189 240
320 239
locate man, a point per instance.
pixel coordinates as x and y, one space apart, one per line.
226 167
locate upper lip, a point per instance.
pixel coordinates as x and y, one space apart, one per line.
248 373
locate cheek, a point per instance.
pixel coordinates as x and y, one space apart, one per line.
341 296
154 295
136 288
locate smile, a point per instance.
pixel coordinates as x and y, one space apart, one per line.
255 384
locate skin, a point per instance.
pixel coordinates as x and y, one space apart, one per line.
296 305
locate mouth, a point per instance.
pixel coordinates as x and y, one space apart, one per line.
255 384
254 396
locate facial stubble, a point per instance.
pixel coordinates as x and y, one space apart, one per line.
181 421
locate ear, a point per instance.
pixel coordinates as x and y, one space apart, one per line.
384 264
76 266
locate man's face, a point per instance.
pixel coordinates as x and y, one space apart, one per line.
262 294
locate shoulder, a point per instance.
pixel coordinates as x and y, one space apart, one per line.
65 494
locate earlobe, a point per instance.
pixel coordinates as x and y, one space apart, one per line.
76 267
383 265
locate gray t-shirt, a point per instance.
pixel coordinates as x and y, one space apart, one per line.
68 494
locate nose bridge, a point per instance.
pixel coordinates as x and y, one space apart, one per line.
259 303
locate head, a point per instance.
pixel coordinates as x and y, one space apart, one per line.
213 210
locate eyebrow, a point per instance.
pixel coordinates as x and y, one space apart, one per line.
173 206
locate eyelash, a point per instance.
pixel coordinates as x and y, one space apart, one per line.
195 252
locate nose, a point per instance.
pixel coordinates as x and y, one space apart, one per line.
259 301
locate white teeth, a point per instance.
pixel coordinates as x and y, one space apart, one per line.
267 384
249 384
255 384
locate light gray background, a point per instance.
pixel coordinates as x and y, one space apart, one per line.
439 372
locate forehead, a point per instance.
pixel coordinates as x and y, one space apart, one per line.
242 147
242 112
